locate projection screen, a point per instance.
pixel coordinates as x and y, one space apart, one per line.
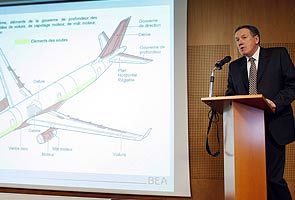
94 96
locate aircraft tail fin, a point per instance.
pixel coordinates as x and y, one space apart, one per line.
114 42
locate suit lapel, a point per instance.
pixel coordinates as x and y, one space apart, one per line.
244 74
263 60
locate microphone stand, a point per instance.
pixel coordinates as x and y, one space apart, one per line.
212 80
212 113
213 116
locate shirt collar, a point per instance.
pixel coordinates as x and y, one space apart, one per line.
256 54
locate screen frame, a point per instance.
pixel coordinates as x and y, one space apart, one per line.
180 101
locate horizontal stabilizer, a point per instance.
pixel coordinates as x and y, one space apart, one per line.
127 58
102 39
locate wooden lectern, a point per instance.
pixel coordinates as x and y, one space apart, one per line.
244 145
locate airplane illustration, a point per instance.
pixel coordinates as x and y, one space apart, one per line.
40 109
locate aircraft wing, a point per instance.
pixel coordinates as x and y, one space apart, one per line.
13 93
127 58
56 120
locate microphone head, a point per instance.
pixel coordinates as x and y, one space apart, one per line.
219 64
226 59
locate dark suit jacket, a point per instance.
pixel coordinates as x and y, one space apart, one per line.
276 81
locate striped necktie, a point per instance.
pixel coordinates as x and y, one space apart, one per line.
252 77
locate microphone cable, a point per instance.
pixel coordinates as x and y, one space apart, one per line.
213 119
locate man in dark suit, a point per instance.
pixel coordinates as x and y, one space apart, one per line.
275 79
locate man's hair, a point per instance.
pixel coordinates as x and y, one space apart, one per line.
253 30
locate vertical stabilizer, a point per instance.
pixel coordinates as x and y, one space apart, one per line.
115 41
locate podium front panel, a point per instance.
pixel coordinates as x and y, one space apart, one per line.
244 152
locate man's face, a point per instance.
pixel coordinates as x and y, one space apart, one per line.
246 42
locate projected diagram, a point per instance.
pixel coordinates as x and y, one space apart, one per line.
41 108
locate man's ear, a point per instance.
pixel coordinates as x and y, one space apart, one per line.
257 39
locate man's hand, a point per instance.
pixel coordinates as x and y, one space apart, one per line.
272 105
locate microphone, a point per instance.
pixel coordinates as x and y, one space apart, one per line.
219 64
